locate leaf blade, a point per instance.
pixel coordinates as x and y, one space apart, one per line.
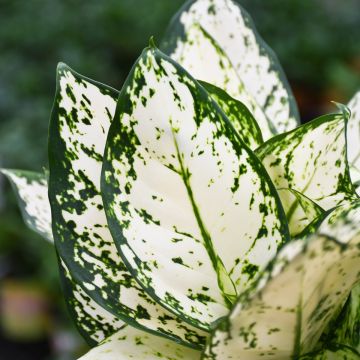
167 150
32 195
299 209
256 65
296 298
82 113
93 322
238 114
353 140
130 343
323 175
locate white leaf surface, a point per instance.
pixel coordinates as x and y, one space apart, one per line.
296 297
216 41
32 194
353 140
130 343
190 207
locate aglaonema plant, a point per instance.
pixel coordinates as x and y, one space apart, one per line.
192 215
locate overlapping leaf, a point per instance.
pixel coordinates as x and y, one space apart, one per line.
345 329
203 57
190 207
311 160
299 209
94 323
32 193
80 120
353 140
284 316
238 114
130 343
333 352
216 41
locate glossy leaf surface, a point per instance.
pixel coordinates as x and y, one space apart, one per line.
81 117
285 315
216 41
32 194
182 192
353 134
311 160
130 343
238 114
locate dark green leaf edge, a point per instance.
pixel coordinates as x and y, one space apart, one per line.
345 328
334 348
67 288
223 323
115 229
176 30
222 93
238 106
262 150
65 249
29 175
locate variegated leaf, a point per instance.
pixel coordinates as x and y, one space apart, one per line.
130 343
81 116
311 160
203 57
346 328
216 41
32 194
300 210
333 352
353 140
296 297
94 323
190 207
238 114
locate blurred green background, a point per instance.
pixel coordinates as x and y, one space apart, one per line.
317 42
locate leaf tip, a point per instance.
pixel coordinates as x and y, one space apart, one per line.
152 44
61 67
343 109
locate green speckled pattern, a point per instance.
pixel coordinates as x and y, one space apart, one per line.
299 209
81 116
32 195
284 315
216 41
333 352
240 117
311 160
93 322
353 136
132 344
190 207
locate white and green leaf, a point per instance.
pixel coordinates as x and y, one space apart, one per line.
32 194
311 160
205 60
284 315
299 209
94 323
345 329
333 352
216 41
182 192
353 140
130 343
238 114
81 116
